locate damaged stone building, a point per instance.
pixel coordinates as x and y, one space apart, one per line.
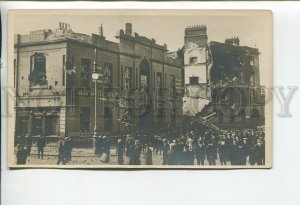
222 80
55 91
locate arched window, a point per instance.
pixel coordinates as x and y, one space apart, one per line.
38 75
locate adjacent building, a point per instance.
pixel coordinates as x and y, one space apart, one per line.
224 77
237 95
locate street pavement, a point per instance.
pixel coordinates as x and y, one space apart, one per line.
84 156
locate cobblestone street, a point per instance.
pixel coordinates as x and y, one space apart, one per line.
80 157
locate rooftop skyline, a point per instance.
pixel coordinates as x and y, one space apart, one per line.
167 29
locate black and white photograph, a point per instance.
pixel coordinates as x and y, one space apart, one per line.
140 89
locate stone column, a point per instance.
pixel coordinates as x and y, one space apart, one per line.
30 123
62 122
44 123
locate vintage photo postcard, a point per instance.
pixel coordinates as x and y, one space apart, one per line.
140 89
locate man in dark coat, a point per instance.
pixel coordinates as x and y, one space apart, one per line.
252 154
120 152
129 145
130 151
200 152
68 148
21 154
28 143
188 156
171 160
211 153
41 143
179 150
106 149
148 155
223 151
260 152
96 145
61 152
165 149
100 145
155 144
159 145
137 153
233 153
241 154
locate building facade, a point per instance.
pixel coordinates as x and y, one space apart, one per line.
235 80
222 75
55 93
196 70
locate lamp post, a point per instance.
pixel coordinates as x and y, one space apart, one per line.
95 77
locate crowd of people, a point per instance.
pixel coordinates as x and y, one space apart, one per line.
234 147
200 147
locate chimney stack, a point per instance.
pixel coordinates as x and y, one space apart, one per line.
101 30
235 41
128 29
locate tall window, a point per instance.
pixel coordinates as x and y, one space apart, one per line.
70 98
128 77
85 72
38 75
108 75
144 81
145 75
159 84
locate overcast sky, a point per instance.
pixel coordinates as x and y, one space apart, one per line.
167 29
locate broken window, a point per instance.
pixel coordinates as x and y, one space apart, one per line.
37 76
194 80
193 60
